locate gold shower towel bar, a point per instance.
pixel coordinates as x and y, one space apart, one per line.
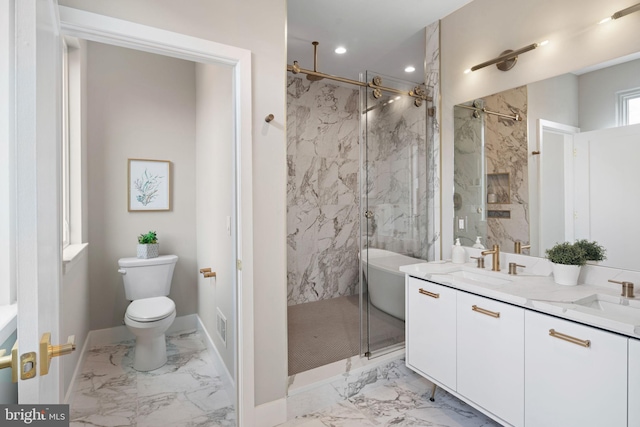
516 117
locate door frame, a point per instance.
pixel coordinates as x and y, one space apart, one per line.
103 29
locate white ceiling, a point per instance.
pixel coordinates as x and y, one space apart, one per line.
383 36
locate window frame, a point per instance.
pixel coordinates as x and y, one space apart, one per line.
623 99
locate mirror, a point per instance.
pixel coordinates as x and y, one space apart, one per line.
565 171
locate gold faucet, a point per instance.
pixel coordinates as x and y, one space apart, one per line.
518 247
495 264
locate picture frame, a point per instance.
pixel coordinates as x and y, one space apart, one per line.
149 185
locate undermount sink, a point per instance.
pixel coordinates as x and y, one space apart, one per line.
611 305
486 278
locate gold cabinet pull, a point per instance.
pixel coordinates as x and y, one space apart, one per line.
495 314
429 294
569 338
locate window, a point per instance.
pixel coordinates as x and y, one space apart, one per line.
629 107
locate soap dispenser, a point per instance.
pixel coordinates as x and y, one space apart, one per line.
458 254
478 244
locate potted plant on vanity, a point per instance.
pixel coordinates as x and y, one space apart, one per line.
148 246
567 258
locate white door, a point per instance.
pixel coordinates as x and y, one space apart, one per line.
571 382
491 356
634 382
38 248
431 330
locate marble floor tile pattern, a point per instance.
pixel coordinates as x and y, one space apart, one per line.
190 390
390 395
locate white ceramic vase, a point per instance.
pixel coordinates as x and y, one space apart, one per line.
566 274
150 250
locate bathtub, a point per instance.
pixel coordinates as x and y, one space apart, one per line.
384 279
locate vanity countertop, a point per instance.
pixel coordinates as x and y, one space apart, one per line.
598 306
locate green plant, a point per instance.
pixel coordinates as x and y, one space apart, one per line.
149 238
593 251
566 253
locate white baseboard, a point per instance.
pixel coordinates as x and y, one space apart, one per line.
271 414
215 355
77 370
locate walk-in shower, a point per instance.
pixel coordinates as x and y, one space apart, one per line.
357 189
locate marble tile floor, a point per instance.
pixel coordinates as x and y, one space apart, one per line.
190 390
389 395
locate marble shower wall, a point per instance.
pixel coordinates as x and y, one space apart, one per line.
323 161
396 171
505 175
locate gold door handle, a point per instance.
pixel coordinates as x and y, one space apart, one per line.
569 338
429 294
477 309
48 351
11 361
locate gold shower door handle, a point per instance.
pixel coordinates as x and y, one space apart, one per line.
48 351
477 309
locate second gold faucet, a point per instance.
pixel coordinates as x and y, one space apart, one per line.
495 258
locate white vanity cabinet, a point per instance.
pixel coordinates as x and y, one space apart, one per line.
490 349
634 382
431 330
576 375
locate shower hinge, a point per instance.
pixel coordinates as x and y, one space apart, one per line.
431 112
367 354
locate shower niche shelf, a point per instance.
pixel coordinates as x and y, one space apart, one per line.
498 188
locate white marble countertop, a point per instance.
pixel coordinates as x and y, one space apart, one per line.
540 293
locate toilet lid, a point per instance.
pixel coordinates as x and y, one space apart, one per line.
150 309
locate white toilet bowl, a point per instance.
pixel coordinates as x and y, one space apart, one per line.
148 319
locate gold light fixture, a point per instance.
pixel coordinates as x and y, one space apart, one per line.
619 14
507 59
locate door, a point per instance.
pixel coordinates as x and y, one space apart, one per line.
37 219
576 376
431 330
491 356
634 383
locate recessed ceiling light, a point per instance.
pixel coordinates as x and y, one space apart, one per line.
410 69
340 50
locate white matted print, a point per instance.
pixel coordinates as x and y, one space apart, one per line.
149 185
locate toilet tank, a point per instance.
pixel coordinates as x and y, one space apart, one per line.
146 278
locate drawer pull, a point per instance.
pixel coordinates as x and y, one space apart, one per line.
429 294
569 338
495 314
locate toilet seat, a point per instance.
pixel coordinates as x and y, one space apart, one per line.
150 309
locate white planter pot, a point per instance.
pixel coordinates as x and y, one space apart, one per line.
148 251
566 274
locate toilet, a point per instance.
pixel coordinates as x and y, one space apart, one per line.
147 283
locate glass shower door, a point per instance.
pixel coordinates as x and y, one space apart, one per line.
394 204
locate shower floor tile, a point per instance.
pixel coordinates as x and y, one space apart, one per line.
189 390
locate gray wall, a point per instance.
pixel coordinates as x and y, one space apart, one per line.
139 106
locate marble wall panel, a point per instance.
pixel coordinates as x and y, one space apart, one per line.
322 191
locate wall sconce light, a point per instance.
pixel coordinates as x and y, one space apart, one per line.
621 13
507 59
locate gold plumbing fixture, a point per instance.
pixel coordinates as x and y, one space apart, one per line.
429 294
480 310
495 261
513 268
518 247
569 338
269 118
48 351
375 84
479 260
627 288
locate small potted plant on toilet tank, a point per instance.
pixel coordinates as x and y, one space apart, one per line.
148 246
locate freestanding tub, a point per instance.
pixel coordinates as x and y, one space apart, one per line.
385 281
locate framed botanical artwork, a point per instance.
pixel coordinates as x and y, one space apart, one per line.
149 182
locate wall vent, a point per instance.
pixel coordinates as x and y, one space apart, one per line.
221 326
